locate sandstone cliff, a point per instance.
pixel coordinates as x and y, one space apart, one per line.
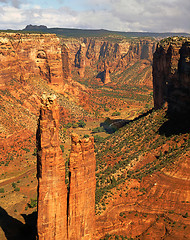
80 60
63 215
66 62
25 55
81 211
52 191
94 52
171 68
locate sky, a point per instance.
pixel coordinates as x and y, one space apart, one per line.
118 15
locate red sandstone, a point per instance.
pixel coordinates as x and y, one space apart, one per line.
59 219
170 75
52 191
25 55
81 216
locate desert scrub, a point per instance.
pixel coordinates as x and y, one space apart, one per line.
33 203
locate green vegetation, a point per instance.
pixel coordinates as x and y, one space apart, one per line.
186 215
116 114
14 185
86 136
98 129
75 124
33 203
26 149
98 139
81 123
115 154
62 148
2 190
35 152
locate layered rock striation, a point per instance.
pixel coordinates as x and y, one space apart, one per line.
171 75
80 60
64 215
81 210
25 55
52 190
94 52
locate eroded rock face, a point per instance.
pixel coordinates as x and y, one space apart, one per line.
63 215
80 60
106 74
25 55
94 52
52 191
171 75
66 62
81 211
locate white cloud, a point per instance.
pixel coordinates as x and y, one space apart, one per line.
122 15
14 3
10 15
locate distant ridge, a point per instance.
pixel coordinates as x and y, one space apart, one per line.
73 32
35 27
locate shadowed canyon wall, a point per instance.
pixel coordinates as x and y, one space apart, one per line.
171 75
97 53
63 215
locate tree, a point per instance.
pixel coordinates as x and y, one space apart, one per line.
81 123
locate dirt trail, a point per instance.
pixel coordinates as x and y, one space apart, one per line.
13 179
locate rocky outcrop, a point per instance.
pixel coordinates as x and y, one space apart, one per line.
66 62
171 75
106 74
63 215
81 211
52 191
80 60
94 52
26 55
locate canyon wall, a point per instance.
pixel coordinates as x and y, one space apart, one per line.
25 55
171 70
64 215
82 164
52 190
116 54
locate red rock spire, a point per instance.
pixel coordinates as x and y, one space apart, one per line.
81 214
52 191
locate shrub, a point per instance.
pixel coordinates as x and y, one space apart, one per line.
68 125
35 152
33 203
121 214
97 129
2 190
74 125
26 149
116 114
86 136
13 185
17 189
81 123
186 215
98 139
62 148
